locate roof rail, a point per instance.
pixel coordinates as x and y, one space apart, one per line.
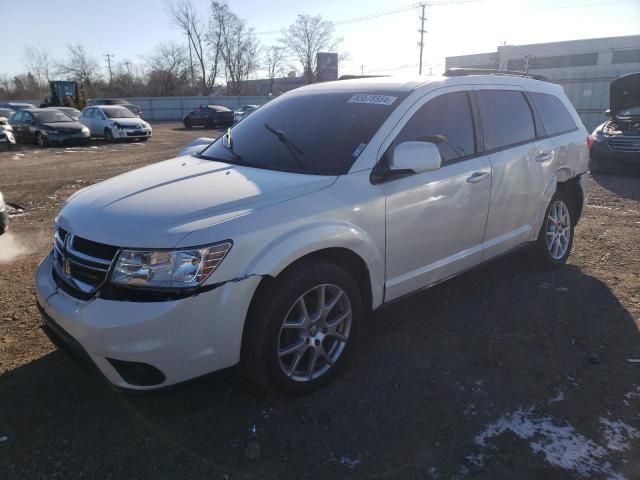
463 72
353 77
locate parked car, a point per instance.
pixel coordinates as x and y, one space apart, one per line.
271 246
115 123
15 106
135 109
195 146
615 145
4 215
6 113
6 133
46 126
240 113
209 116
74 113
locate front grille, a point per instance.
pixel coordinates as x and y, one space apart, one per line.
81 263
625 143
70 130
132 127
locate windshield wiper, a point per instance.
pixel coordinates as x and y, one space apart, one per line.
295 151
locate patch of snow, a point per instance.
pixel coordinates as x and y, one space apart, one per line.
558 398
617 434
561 446
349 463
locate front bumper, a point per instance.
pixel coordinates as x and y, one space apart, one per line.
131 133
604 159
61 138
182 339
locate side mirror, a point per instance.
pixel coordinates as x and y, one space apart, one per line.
607 113
416 157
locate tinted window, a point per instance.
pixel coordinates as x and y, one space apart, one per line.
555 117
52 116
506 118
118 112
326 131
446 121
17 117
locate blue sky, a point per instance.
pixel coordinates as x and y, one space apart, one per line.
386 44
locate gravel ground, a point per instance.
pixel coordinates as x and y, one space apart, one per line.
503 372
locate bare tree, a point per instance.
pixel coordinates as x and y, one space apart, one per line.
188 20
38 62
168 69
79 65
305 38
274 60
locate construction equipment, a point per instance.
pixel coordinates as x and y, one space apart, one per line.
65 94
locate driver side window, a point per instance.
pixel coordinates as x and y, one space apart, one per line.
446 121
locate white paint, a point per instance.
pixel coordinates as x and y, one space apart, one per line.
561 446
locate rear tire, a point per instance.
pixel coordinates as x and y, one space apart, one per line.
555 238
188 125
318 343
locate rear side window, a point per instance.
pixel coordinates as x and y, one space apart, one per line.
554 115
506 118
446 121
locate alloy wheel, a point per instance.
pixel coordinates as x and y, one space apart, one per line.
314 333
558 230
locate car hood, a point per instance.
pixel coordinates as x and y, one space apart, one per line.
624 93
128 121
73 125
158 205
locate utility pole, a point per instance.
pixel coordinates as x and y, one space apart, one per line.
362 70
422 32
108 57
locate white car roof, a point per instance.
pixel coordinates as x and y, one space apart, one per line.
398 84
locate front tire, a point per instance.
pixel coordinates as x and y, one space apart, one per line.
299 336
40 141
555 238
108 135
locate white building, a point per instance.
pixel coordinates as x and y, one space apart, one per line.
583 67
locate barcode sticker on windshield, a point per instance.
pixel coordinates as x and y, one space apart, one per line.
375 99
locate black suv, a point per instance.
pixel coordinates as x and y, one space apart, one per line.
209 116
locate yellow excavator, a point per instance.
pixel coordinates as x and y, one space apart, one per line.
65 94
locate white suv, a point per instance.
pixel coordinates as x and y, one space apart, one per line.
272 246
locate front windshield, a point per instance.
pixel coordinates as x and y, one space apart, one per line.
629 112
118 112
52 116
321 133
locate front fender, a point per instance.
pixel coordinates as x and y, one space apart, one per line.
295 244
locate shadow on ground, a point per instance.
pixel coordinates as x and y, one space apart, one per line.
431 372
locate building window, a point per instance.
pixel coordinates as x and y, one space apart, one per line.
626 56
563 61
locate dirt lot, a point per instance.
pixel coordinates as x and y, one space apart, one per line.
504 372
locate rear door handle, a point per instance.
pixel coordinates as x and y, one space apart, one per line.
477 176
543 157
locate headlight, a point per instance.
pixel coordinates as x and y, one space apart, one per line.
168 268
117 125
85 130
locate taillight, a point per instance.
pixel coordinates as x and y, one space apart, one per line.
589 141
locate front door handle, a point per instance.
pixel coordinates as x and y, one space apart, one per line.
477 176
543 157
